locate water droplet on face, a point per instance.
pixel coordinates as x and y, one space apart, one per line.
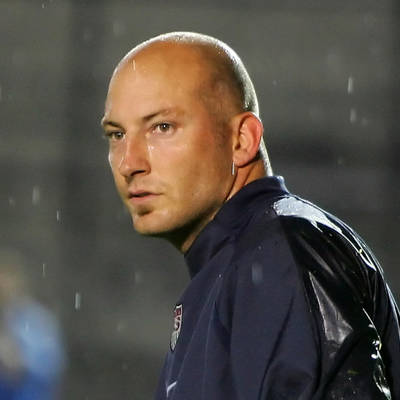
78 300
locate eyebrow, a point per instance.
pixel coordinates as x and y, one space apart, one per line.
146 118
105 122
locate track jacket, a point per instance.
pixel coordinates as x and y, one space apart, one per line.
285 302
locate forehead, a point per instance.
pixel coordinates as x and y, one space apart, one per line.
163 69
164 76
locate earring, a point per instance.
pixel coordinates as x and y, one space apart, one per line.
233 168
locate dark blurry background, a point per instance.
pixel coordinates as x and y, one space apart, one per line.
328 79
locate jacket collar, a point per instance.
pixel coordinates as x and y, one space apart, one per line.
231 217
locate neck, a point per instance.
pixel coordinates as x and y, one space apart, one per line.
184 238
247 174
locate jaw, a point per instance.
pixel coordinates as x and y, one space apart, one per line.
176 229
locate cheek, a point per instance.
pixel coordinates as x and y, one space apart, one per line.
114 158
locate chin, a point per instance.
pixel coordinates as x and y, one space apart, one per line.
152 225
160 226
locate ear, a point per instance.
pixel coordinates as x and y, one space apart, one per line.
248 131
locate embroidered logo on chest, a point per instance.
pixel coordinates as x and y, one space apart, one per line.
178 313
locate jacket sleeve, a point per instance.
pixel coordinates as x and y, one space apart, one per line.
299 328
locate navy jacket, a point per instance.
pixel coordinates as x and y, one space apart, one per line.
285 302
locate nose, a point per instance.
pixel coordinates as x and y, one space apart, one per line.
134 157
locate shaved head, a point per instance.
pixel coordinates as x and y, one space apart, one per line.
224 84
225 68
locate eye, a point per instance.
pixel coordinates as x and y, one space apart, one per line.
114 135
162 127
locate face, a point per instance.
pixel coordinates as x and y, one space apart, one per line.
170 167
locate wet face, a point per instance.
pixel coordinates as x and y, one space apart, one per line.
169 164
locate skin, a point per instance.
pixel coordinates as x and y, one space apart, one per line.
170 166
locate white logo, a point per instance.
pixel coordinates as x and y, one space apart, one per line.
178 313
170 387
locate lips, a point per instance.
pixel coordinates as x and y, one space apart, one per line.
140 196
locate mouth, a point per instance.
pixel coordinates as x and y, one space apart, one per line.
141 196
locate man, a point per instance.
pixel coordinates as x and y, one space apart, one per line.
32 358
285 301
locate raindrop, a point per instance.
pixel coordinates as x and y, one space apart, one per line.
118 28
138 277
1 93
256 273
124 366
78 300
120 326
42 5
87 35
375 50
44 266
334 61
353 115
11 201
134 65
350 85
316 113
58 215
364 121
274 82
369 20
35 195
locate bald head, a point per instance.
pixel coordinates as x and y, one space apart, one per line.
225 82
